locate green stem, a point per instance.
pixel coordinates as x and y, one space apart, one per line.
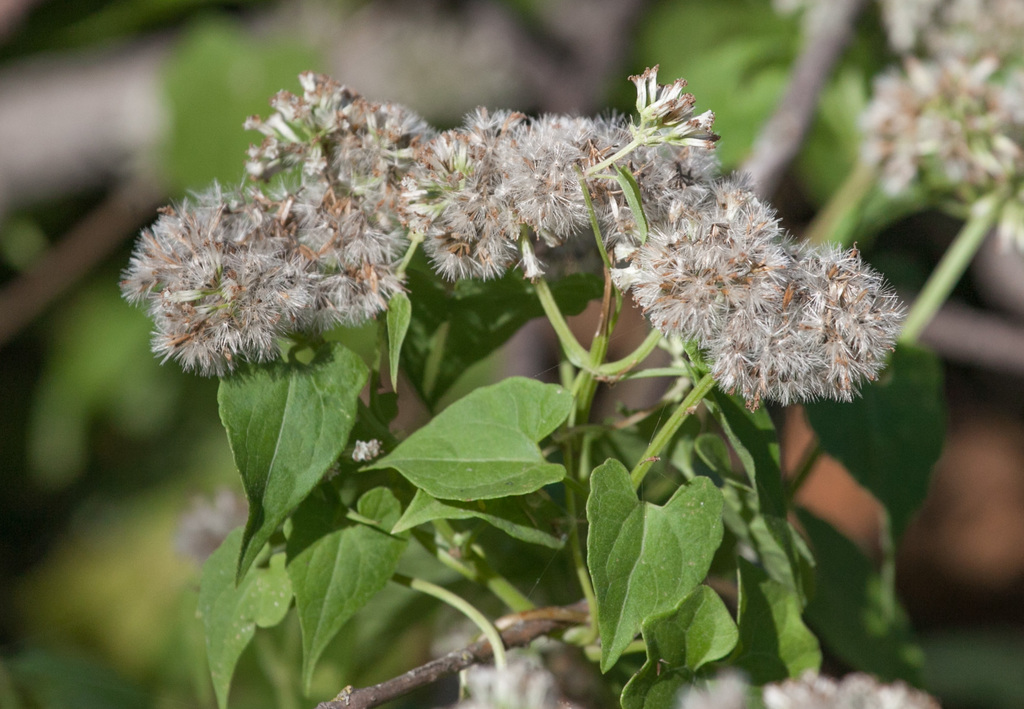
574 351
593 652
463 606
594 224
498 584
952 266
655 373
479 572
842 205
668 430
620 367
580 565
594 169
415 239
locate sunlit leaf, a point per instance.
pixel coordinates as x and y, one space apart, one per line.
484 446
631 191
644 559
697 631
531 518
337 574
231 613
287 423
399 314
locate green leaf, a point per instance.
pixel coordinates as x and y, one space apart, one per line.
338 573
399 314
231 613
453 327
631 190
215 77
287 423
697 631
485 445
644 558
890 438
756 513
752 435
774 642
856 613
523 517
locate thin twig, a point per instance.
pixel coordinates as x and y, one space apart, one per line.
520 629
783 134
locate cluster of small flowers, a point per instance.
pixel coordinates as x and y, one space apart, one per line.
521 685
855 691
343 188
967 28
226 274
956 127
778 320
478 192
811 691
951 122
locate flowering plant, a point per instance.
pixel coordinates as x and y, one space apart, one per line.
450 241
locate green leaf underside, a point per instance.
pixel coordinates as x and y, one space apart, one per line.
523 517
478 318
857 616
337 574
399 315
891 436
644 558
697 631
774 642
287 423
231 613
484 445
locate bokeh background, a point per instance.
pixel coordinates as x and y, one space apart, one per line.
110 108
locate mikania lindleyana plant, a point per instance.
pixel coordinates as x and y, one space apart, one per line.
358 211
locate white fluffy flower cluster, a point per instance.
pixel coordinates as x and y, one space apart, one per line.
966 28
855 691
955 127
521 685
357 185
950 123
779 321
811 691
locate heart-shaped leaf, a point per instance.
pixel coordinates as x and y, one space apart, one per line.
644 559
697 631
484 445
287 423
338 573
530 518
231 613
